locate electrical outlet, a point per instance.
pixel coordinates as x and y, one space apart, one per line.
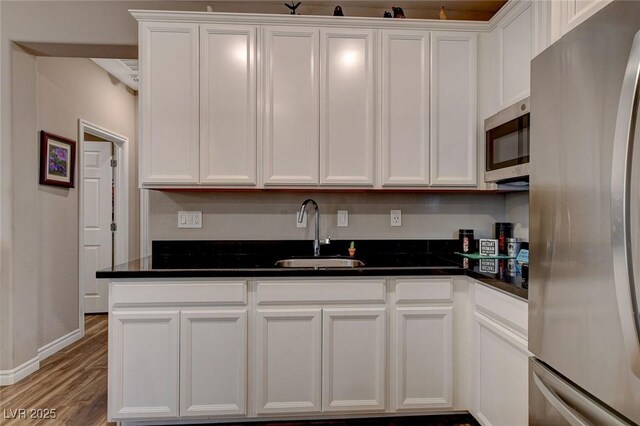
191 219
343 218
302 224
396 217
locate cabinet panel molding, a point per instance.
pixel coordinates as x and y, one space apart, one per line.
213 363
454 109
144 371
169 93
354 362
291 105
405 108
228 104
347 106
424 358
287 355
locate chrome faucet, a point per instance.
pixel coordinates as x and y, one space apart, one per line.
316 240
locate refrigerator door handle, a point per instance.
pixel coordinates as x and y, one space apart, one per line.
568 413
621 184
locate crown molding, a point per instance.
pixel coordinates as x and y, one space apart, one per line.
310 20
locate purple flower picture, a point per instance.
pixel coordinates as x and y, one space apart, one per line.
58 161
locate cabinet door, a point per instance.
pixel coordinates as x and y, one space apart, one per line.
500 374
228 104
354 361
405 108
514 40
213 363
169 93
453 108
291 85
346 106
287 350
423 348
143 364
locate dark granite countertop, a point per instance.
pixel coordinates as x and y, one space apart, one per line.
192 259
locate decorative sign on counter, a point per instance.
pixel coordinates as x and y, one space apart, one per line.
488 247
523 256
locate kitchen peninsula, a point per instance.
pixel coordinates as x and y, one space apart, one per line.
209 330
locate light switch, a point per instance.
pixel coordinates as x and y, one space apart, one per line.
191 219
343 218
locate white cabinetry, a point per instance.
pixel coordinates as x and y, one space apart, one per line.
422 348
228 104
354 362
513 49
213 370
288 361
291 105
453 108
500 358
404 87
177 349
169 96
143 372
347 106
321 358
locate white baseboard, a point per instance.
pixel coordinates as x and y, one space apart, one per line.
9 377
51 348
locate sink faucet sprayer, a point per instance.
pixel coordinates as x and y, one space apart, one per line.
316 240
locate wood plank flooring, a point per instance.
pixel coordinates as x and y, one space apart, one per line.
73 382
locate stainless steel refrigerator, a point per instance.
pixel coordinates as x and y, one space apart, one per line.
584 293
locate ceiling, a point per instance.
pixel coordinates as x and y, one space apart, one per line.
126 70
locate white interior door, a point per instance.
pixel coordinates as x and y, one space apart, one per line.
97 211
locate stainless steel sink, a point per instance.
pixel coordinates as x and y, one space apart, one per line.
319 262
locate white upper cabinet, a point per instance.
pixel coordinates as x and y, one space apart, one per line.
228 100
405 108
453 108
291 103
347 106
513 49
169 95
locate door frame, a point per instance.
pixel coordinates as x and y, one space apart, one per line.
121 245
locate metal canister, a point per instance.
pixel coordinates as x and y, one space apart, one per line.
502 231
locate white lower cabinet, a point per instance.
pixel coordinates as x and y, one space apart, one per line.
319 346
213 362
424 358
499 359
422 344
287 353
354 362
143 368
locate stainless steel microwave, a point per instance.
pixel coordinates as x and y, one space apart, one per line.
507 144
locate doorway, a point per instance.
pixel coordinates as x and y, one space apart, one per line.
103 215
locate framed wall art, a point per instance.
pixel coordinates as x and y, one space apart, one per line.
57 160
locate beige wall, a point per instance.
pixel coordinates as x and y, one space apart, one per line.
517 212
54 94
69 89
98 26
272 215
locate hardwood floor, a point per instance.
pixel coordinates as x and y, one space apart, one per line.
73 382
